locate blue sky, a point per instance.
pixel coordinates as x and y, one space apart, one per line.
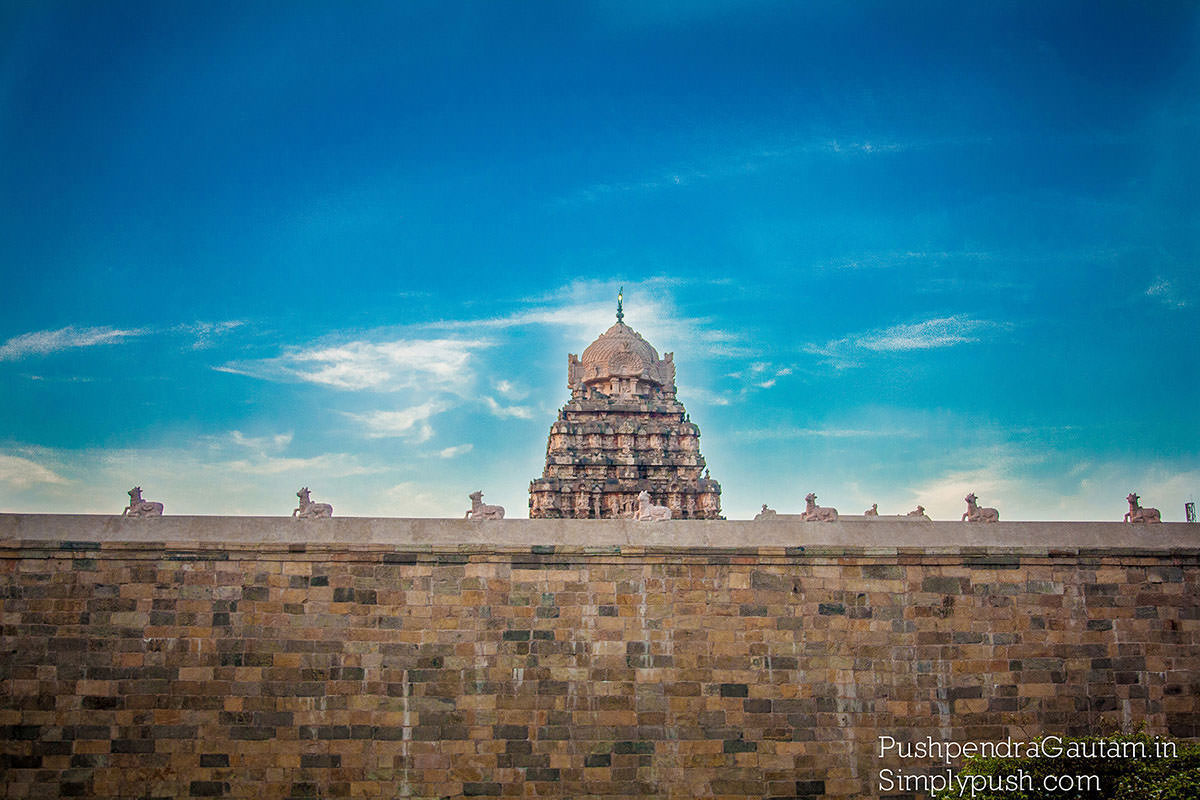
901 252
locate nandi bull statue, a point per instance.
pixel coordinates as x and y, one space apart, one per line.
144 508
976 514
1138 514
816 513
481 510
310 510
918 512
648 512
873 511
766 513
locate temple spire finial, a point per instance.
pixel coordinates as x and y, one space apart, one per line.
620 313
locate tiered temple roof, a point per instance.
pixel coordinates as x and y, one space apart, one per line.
623 432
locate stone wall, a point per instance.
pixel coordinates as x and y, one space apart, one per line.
267 658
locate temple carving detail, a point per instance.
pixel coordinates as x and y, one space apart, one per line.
623 432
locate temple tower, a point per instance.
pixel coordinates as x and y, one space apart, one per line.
623 432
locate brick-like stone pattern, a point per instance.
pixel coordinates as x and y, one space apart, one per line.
370 671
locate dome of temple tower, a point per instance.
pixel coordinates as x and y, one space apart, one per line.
620 352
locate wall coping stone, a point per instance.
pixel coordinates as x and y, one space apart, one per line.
549 538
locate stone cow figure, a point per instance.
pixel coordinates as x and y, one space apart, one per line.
481 510
310 510
815 513
144 508
766 513
648 512
976 514
1138 514
919 512
873 511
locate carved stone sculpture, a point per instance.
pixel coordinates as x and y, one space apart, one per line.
648 512
919 511
1138 514
873 511
480 510
310 510
976 514
766 513
144 508
815 513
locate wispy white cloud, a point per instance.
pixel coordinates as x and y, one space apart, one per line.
768 382
331 464
62 378
361 365
863 147
1166 293
927 334
704 397
266 457
262 444
838 358
909 258
40 343
22 472
204 334
457 450
411 423
435 364
759 374
510 390
752 160
793 432
591 316
519 412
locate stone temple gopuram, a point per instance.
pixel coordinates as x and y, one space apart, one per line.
623 432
